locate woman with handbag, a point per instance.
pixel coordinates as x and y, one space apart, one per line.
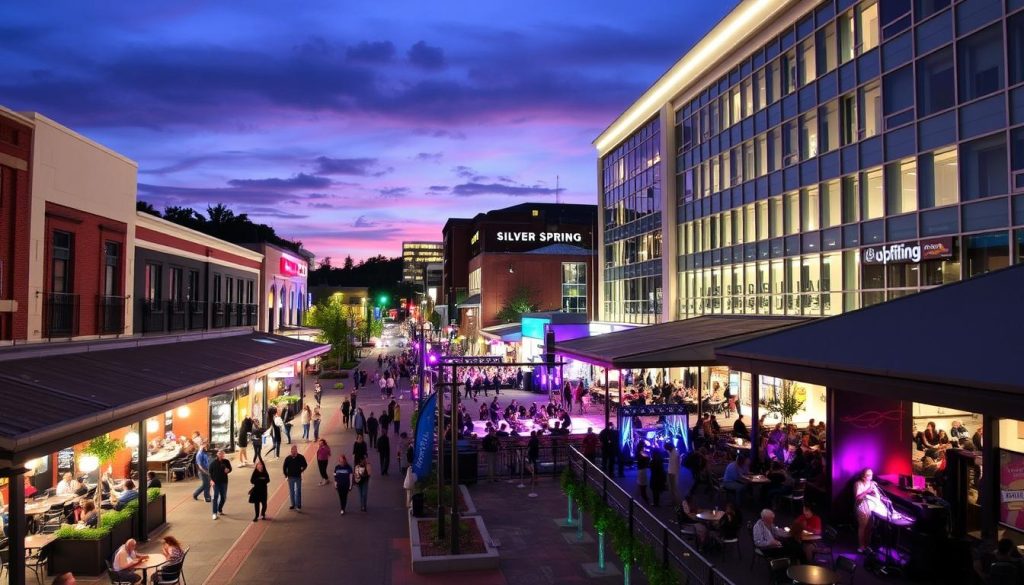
258 492
361 478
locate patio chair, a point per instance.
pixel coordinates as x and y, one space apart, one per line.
37 562
845 566
169 574
182 468
1003 573
795 498
778 568
824 547
755 553
5 555
115 576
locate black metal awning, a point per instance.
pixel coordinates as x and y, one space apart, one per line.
691 342
958 345
52 401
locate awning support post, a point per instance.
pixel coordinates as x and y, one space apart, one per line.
143 516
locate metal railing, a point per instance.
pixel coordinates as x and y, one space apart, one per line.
196 315
177 315
674 552
110 314
153 317
219 313
60 314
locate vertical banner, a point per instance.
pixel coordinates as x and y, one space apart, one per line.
424 449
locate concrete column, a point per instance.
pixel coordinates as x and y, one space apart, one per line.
143 516
669 223
755 416
16 524
989 488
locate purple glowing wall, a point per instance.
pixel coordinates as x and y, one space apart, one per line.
867 431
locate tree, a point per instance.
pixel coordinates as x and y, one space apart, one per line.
339 324
185 216
523 300
325 263
146 207
348 263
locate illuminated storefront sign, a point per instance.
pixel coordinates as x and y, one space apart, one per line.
908 253
542 237
293 267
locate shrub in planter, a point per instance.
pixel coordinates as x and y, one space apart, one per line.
82 551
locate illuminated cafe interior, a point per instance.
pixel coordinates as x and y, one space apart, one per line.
950 354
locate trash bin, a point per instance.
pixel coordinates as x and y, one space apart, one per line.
417 505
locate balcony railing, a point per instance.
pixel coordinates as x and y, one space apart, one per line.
177 315
154 318
196 315
60 314
110 314
219 313
251 315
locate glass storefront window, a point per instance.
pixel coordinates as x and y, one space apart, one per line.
986 252
901 186
832 283
762 220
791 211
809 209
775 217
831 208
810 285
851 199
872 196
778 287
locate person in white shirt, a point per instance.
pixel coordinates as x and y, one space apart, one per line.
673 470
126 559
68 486
767 536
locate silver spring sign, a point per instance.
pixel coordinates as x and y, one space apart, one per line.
908 252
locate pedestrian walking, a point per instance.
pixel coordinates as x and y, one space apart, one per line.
304 418
318 392
244 432
343 481
359 421
346 408
372 426
384 448
323 457
590 442
359 449
352 398
361 477
362 378
219 470
294 466
397 418
609 447
203 467
657 475
259 479
673 471
532 457
385 423
288 419
256 438
316 422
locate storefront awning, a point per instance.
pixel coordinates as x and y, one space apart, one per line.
691 342
508 333
54 400
471 302
957 346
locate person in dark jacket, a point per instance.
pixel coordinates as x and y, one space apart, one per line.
294 466
219 470
359 449
657 475
259 479
384 448
372 426
244 430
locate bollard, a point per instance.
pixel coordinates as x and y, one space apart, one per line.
579 525
600 551
568 520
625 573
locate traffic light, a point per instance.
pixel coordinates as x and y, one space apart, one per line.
382 300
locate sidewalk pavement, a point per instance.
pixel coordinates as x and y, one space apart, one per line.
317 545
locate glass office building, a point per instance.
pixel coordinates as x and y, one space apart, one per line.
833 155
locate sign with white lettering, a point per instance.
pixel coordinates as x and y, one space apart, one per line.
542 237
292 267
908 253
525 238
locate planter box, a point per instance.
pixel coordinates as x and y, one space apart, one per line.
156 513
121 532
448 563
81 557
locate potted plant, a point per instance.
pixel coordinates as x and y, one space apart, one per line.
786 405
103 449
156 509
83 551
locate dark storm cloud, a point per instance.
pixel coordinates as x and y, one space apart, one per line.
357 167
473 189
299 181
371 52
424 56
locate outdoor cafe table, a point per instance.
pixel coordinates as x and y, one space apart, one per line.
711 515
161 460
153 561
812 575
34 541
805 535
36 507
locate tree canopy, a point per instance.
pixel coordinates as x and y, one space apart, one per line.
221 222
523 300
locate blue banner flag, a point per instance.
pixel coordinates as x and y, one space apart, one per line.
423 453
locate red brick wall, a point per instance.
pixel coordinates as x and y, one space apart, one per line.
89 232
15 218
540 272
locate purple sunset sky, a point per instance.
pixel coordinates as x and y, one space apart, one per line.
348 125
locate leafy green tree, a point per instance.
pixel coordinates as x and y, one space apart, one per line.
146 207
339 325
523 300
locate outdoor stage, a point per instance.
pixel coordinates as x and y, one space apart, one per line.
593 417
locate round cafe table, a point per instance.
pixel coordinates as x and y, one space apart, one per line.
812 575
711 515
154 561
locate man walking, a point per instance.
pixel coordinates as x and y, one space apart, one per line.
397 418
590 442
294 465
372 425
609 449
219 470
203 465
384 447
